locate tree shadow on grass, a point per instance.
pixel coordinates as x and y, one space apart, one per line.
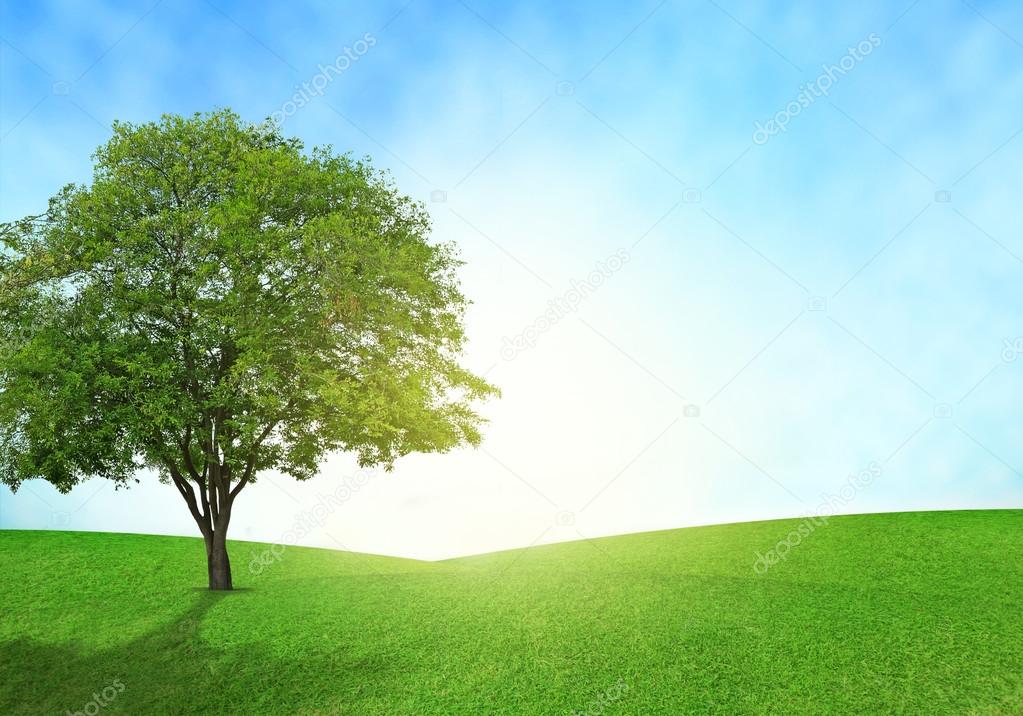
173 670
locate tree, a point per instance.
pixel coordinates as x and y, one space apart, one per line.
218 303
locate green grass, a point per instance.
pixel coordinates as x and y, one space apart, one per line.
897 613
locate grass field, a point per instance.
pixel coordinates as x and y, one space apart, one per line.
916 613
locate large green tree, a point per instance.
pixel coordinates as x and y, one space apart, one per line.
220 302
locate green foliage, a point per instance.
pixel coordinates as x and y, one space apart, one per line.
219 302
873 614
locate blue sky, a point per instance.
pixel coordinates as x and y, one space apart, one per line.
788 312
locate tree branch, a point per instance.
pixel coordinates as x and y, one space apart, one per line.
250 464
186 453
203 520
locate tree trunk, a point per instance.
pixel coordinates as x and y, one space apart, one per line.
218 564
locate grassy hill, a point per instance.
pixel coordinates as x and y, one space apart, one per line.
895 613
